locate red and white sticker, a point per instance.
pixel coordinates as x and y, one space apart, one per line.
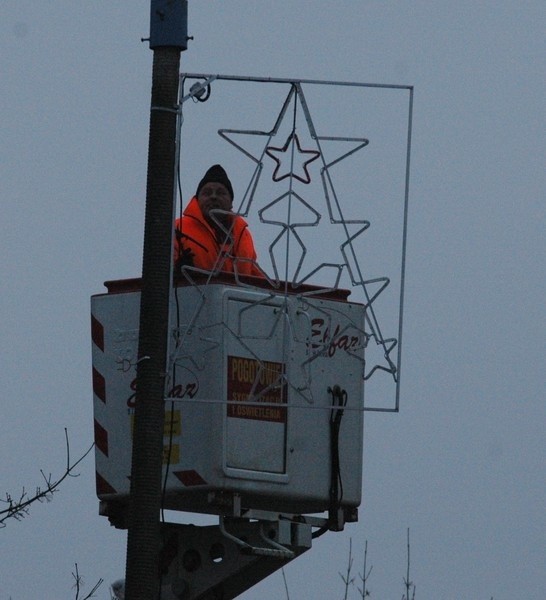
251 384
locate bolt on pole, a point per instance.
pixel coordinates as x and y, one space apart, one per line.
168 37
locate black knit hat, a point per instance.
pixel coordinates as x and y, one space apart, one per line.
217 174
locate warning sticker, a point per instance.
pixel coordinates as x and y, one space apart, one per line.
171 454
253 382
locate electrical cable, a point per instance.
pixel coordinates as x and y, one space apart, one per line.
339 402
177 302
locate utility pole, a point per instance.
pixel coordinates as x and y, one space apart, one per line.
168 37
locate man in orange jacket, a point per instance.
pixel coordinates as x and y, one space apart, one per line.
209 236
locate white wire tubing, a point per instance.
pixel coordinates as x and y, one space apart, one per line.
304 81
260 404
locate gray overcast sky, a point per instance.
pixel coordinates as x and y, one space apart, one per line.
462 465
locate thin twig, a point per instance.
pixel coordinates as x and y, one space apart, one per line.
347 579
79 582
285 584
410 586
364 592
18 508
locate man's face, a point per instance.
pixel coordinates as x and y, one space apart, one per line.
212 196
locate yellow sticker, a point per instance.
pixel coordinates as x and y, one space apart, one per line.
175 455
172 422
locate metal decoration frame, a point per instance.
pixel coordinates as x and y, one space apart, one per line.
292 153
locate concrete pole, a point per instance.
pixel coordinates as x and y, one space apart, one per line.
168 36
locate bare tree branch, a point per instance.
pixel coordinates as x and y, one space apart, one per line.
347 579
410 586
285 584
79 583
18 506
364 592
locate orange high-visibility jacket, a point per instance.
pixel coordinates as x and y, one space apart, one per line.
196 244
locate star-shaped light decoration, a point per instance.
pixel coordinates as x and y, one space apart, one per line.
292 161
312 155
193 345
377 357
